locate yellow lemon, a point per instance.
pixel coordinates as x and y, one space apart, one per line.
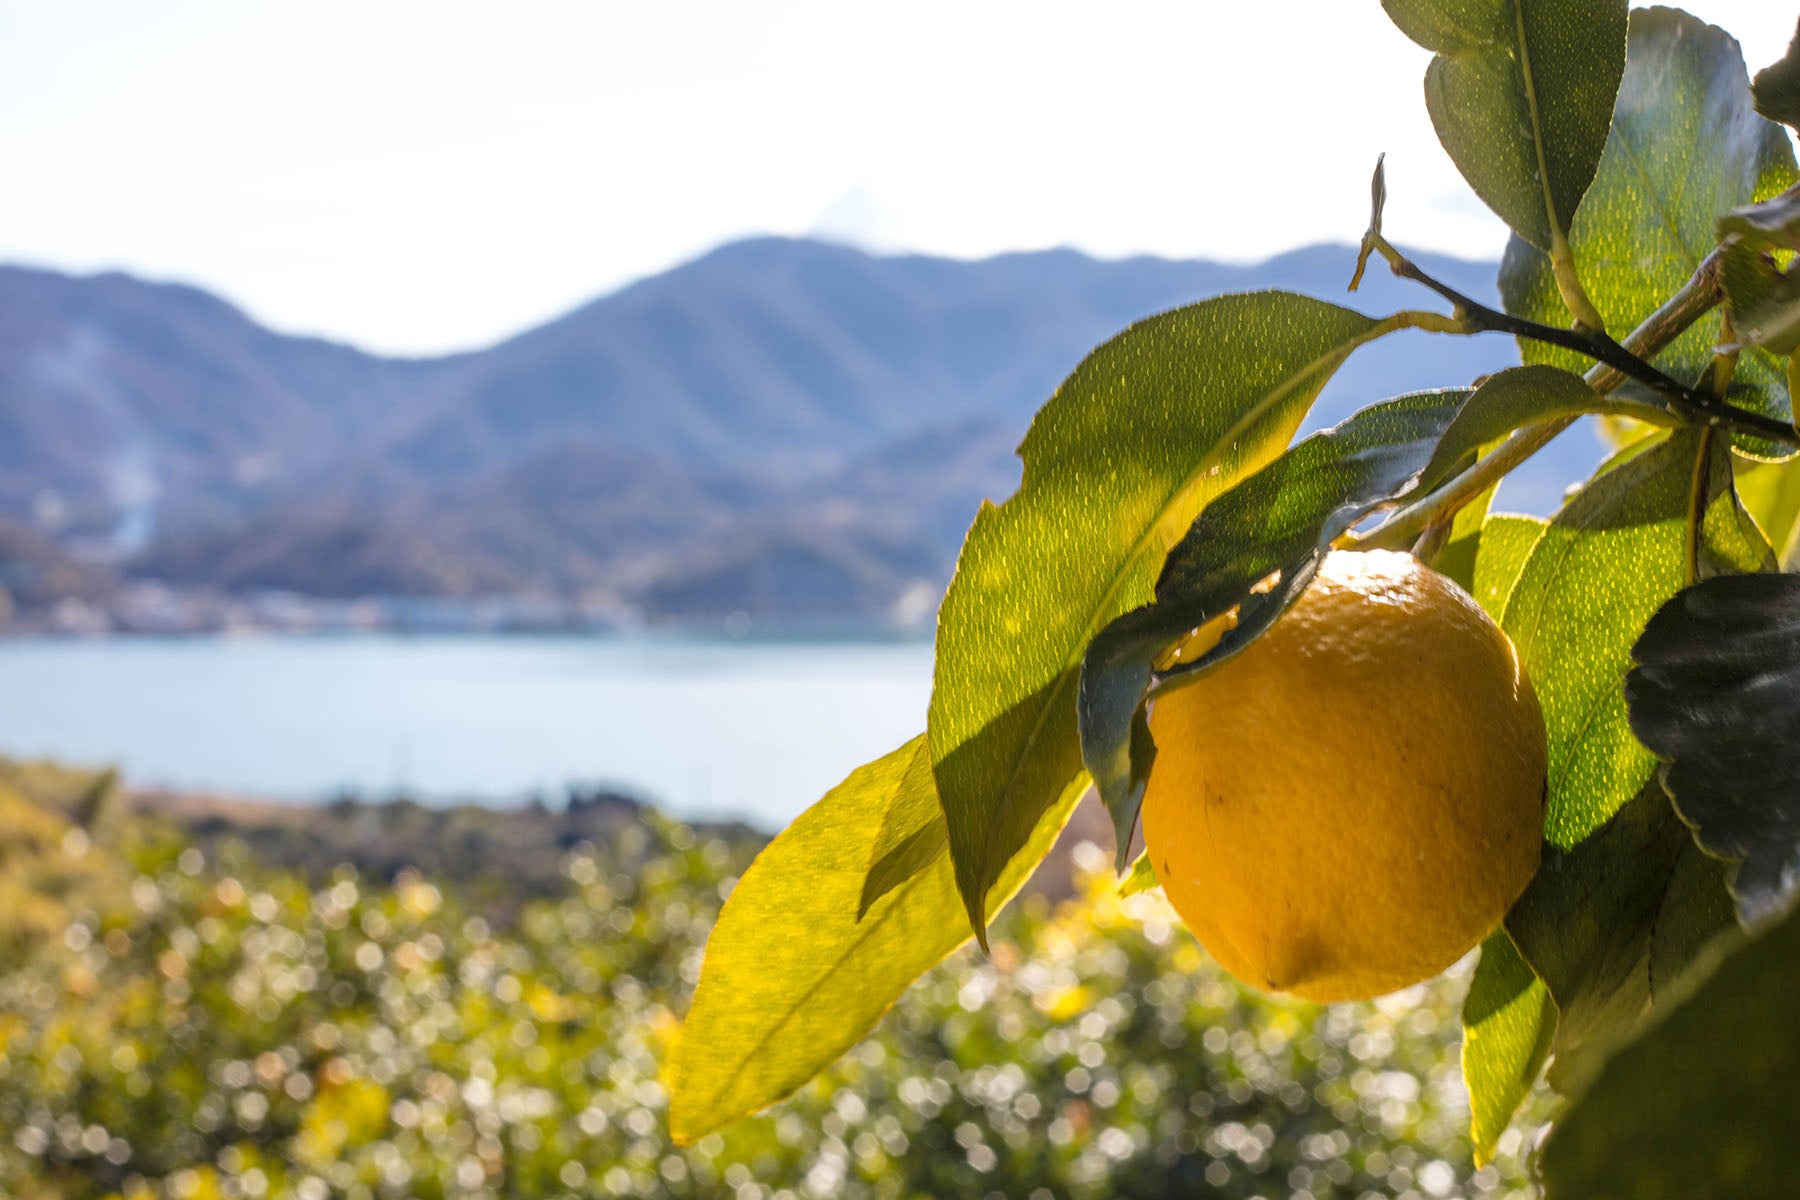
1353 802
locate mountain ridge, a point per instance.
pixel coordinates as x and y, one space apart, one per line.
782 429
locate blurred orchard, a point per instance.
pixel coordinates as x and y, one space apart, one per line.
184 1024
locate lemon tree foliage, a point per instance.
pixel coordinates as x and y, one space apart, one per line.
1717 670
1653 197
1520 93
1508 1020
1687 148
1698 1106
1777 88
1148 429
796 970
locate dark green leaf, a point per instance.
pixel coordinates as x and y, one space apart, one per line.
1149 427
792 977
1283 518
1520 93
1686 147
1611 923
1507 1021
1777 87
1702 1104
1716 694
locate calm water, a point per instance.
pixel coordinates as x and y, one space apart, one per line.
700 727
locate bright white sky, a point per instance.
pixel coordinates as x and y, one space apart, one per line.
425 175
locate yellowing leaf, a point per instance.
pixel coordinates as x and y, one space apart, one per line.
791 977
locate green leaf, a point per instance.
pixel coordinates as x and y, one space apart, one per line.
1608 561
1716 694
792 978
1777 87
1141 877
1773 223
1702 1104
1610 925
1520 94
1520 396
912 835
1771 493
1283 518
1506 542
1507 1021
1149 427
1623 901
1508 1016
1685 148
1763 298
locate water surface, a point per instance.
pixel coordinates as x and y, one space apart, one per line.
713 727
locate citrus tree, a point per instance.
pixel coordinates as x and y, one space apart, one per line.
1649 960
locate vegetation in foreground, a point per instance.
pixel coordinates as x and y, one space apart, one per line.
185 1024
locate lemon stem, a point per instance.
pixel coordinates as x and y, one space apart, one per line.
1697 297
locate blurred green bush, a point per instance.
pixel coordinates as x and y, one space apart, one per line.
174 1024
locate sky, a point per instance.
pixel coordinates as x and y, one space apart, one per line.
420 176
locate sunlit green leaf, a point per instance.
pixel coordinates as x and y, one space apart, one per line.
1686 148
1777 87
1702 1104
1520 93
1608 560
1283 518
1623 901
1771 493
1716 694
1508 1016
1507 1021
792 978
1141 877
1506 542
912 835
1148 428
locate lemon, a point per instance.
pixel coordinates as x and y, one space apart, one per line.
1353 802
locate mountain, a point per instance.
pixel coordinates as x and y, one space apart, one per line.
792 430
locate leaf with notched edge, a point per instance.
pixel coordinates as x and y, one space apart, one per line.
1716 694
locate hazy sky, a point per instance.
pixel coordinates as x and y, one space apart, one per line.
423 175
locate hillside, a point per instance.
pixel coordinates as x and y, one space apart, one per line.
793 430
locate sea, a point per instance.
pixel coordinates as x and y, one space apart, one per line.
702 728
